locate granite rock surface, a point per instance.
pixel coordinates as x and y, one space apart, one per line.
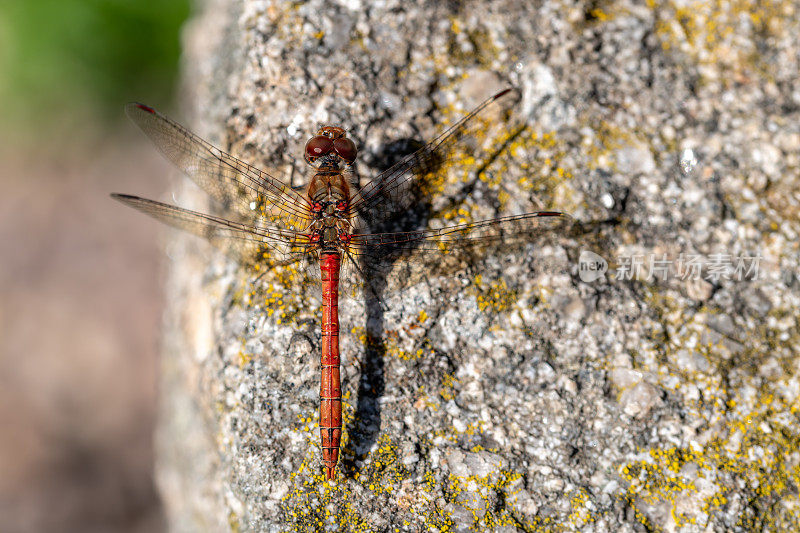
521 392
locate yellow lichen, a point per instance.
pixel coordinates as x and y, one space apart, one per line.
752 442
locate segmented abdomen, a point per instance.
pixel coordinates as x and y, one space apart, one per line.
330 410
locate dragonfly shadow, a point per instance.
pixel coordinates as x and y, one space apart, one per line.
391 153
407 207
365 425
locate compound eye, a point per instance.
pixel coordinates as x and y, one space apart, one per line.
318 146
346 149
341 206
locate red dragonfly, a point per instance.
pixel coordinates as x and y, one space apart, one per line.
333 223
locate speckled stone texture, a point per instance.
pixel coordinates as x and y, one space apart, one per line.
511 394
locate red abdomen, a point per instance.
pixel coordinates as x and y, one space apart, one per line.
330 392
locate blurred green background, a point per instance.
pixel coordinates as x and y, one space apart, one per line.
80 298
62 59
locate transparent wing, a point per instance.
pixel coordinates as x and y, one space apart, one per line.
504 230
248 243
411 256
236 185
418 175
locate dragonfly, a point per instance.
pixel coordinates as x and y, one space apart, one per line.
334 227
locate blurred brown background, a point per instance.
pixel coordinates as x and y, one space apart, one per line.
80 275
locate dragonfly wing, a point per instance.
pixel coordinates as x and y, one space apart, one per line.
247 243
431 252
236 185
499 232
416 177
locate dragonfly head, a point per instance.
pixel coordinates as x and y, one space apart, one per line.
330 149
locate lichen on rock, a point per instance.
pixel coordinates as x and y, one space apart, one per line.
509 395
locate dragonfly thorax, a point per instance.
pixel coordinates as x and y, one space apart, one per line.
329 197
330 233
328 188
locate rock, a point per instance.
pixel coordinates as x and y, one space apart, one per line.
635 159
625 378
523 506
480 464
480 396
638 400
